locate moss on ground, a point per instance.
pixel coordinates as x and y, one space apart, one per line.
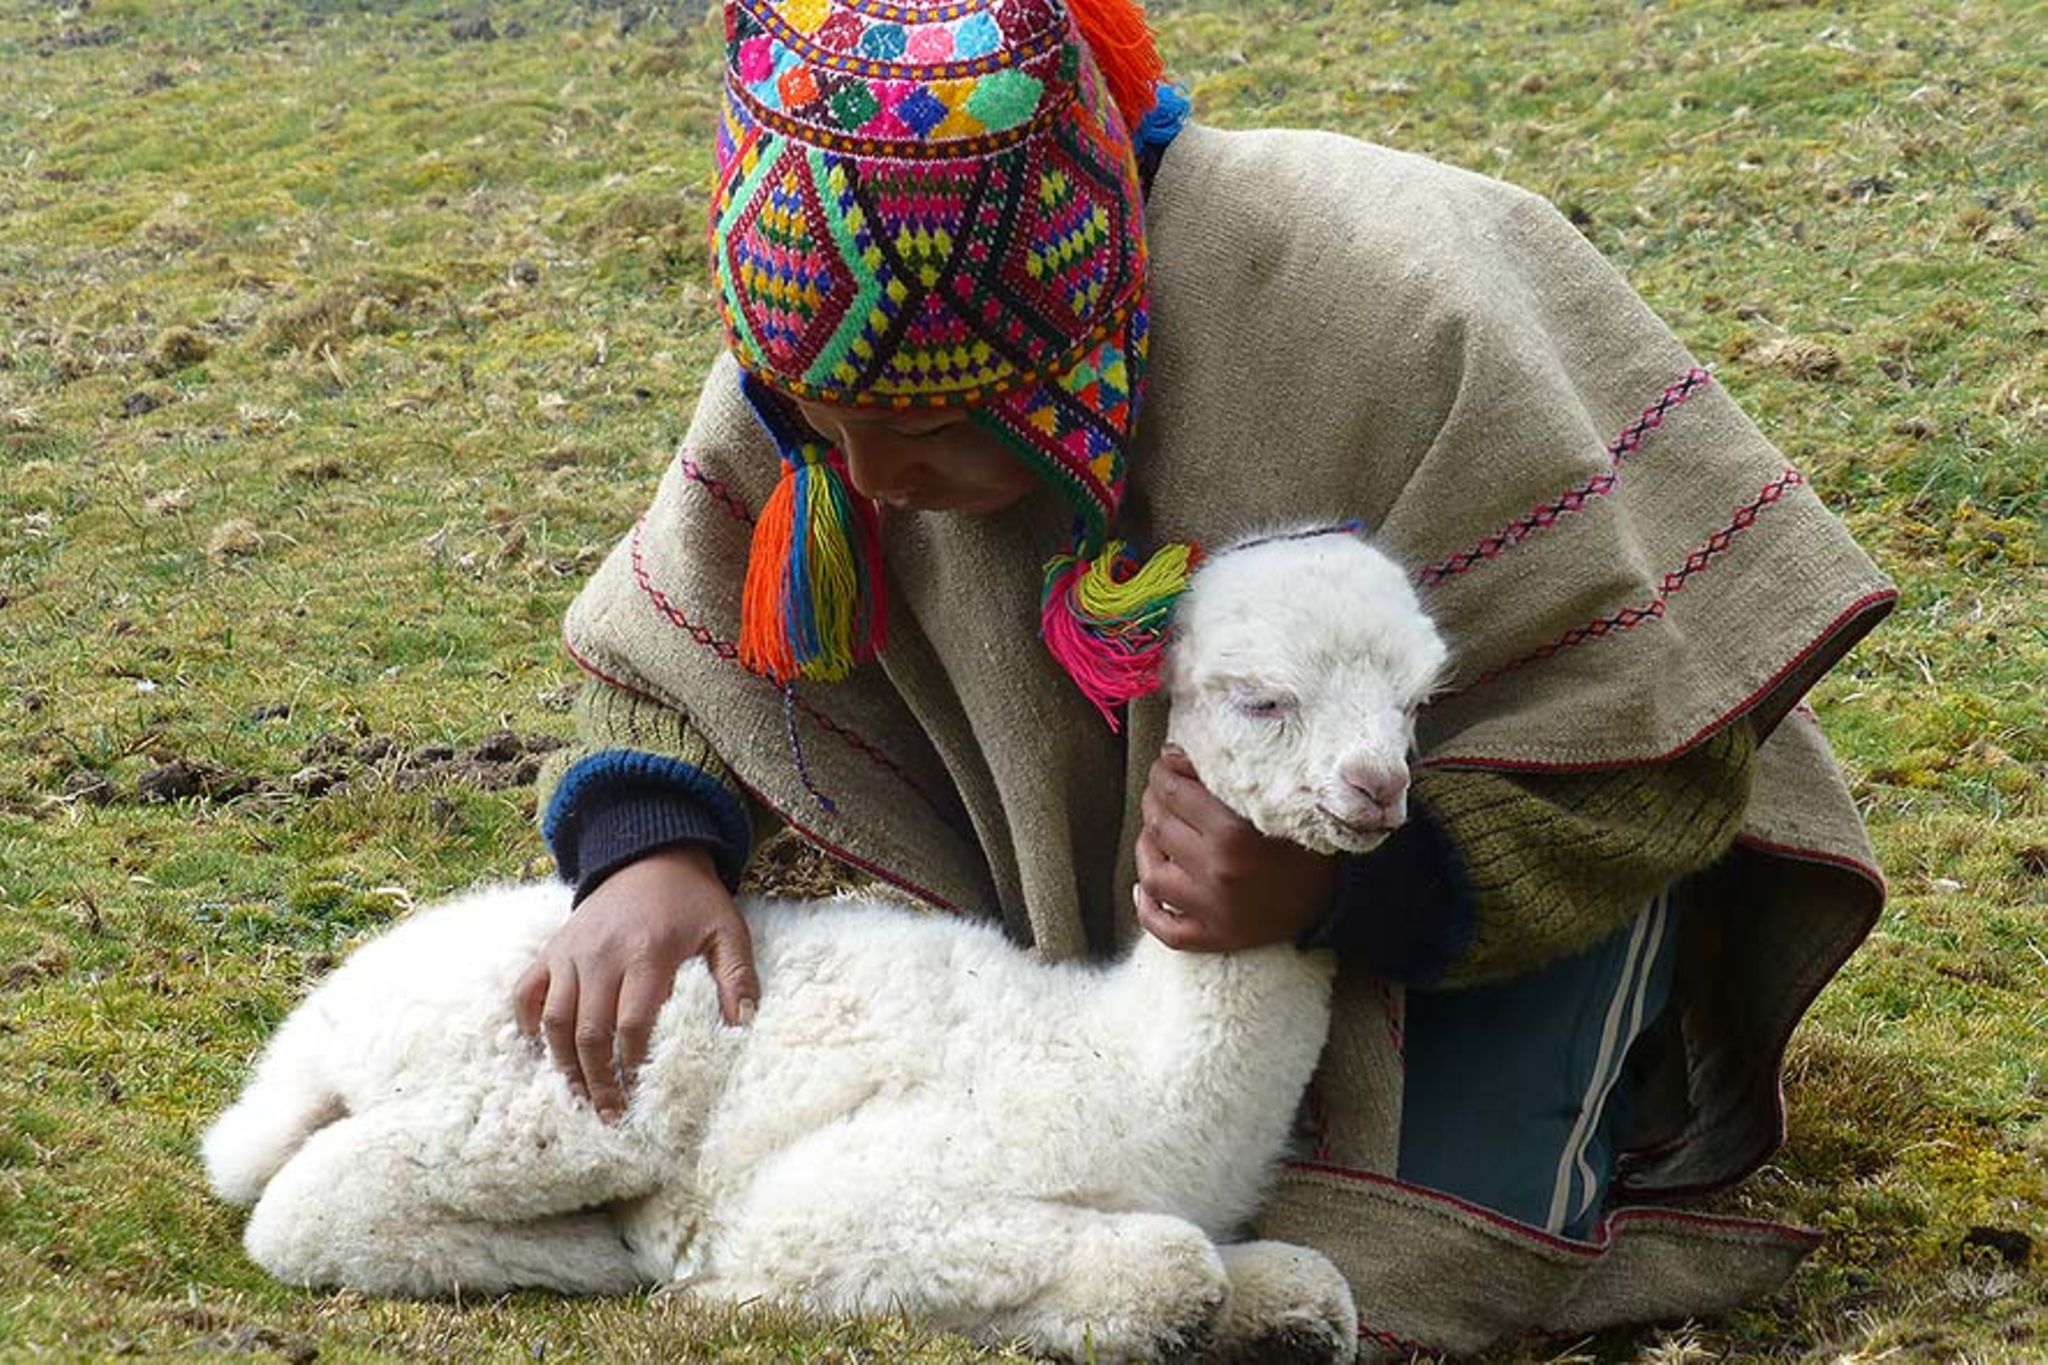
336 347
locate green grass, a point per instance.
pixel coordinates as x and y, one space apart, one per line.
334 353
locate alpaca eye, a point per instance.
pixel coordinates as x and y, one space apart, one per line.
1262 708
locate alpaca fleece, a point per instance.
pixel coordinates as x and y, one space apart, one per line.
921 1116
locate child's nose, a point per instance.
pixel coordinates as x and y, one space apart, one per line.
878 472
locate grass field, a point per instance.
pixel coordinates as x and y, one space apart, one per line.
339 340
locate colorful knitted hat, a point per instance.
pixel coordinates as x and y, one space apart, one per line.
935 203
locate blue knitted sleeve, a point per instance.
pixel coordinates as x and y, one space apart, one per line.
617 805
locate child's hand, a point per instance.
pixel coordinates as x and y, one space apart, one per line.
604 975
1208 881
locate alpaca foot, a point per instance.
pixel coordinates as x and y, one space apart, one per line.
1288 1306
1136 1287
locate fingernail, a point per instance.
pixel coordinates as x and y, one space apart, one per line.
747 1008
610 1113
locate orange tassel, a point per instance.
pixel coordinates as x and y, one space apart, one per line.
1124 50
764 641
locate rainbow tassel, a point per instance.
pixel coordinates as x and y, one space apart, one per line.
1124 50
813 604
1105 619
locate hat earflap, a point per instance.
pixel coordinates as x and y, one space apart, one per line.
813 605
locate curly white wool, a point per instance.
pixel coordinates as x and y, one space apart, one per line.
922 1117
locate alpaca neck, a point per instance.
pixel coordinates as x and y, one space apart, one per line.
1241 1030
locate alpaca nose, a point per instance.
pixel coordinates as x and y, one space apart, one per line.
1375 794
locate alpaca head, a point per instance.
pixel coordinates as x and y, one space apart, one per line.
1295 673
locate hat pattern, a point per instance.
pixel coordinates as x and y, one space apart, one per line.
932 205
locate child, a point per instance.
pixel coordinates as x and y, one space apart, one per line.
959 247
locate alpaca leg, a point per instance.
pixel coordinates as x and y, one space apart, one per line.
1288 1306
356 1208
1074 1282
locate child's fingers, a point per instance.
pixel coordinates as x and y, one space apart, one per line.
597 1016
558 1024
1166 825
1159 920
1181 794
1171 890
529 996
640 1000
731 957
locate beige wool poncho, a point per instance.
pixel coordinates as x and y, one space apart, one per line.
1622 564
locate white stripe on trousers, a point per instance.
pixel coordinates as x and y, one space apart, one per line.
1631 986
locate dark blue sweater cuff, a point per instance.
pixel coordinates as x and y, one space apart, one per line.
615 807
1404 910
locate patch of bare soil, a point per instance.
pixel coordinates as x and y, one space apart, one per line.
333 763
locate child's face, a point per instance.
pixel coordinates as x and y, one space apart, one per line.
928 460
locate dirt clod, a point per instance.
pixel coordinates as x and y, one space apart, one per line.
234 538
2013 1246
475 28
1800 357
175 348
106 35
333 744
497 747
140 403
316 780
318 468
255 1340
187 777
83 784
44 965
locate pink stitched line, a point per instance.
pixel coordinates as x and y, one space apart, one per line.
1599 486
1394 1030
1596 1244
810 835
703 635
1628 618
719 489
730 652
1392 1342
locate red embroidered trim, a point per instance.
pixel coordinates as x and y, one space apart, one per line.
1395 1034
1628 618
894 879
1396 1343
1599 486
728 651
703 635
1870 872
1856 610
1602 1237
730 500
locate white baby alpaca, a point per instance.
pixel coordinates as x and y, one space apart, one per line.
922 1116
